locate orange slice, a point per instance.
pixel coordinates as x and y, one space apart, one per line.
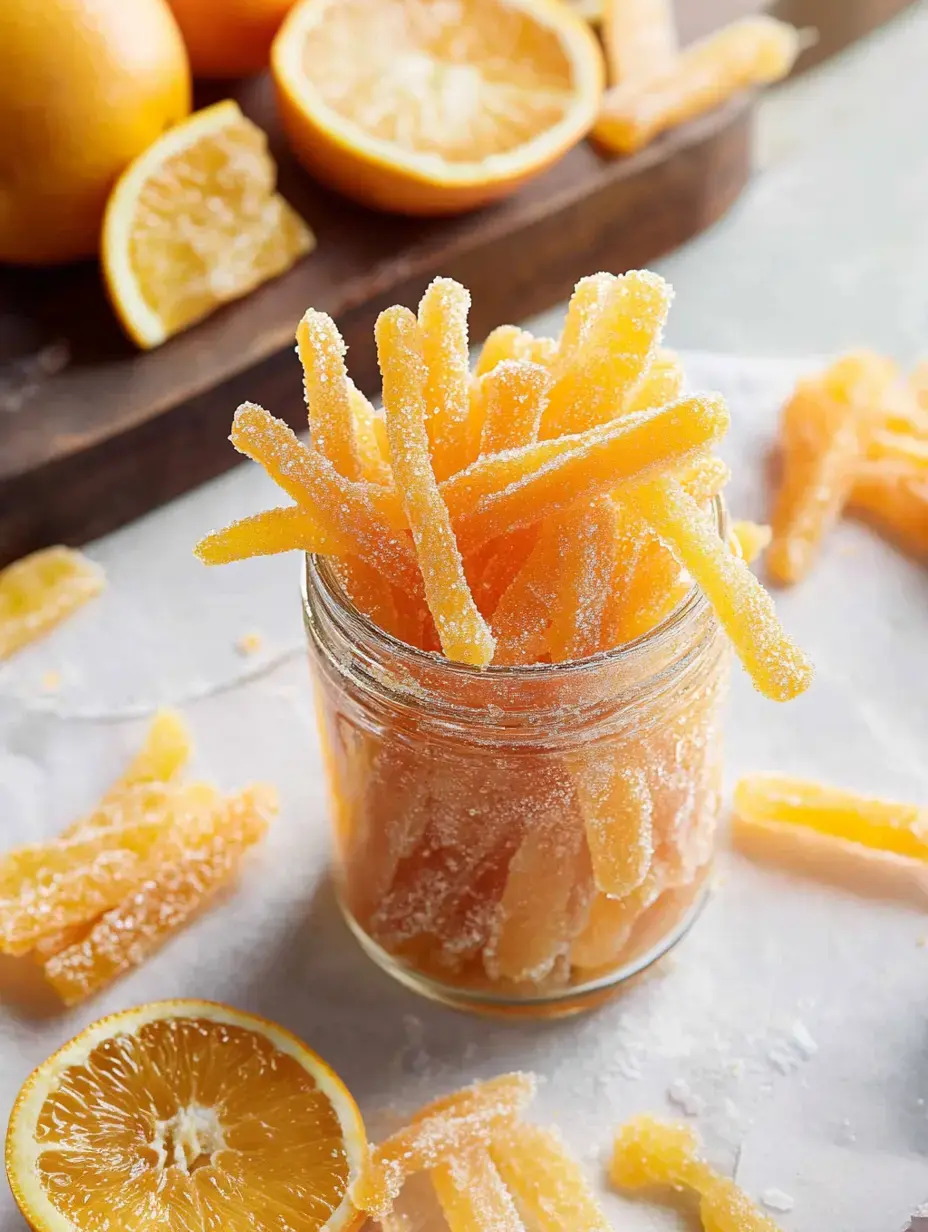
182 1115
194 222
425 108
41 590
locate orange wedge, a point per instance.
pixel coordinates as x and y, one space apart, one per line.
184 1115
194 222
426 108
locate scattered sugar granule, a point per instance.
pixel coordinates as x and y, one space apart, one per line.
803 1040
51 681
777 1200
249 643
682 1096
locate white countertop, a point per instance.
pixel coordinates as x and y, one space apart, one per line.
794 1019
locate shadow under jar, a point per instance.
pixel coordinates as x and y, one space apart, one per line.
518 840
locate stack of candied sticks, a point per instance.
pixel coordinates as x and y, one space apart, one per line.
557 504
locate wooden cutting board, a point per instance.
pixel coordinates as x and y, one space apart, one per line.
93 433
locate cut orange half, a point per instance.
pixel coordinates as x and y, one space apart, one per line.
431 108
186 1116
195 222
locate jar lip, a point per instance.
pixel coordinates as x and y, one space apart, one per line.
688 610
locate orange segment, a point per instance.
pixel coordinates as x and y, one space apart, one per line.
752 51
50 886
289 528
464 634
442 1129
473 1196
649 1152
422 109
200 856
194 222
882 825
550 1189
185 1114
39 591
321 349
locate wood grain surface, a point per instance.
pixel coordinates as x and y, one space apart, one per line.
93 433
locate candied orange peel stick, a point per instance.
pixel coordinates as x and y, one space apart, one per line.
639 37
778 668
285 529
752 51
649 1152
523 486
789 803
550 1189
825 432
39 591
514 394
464 634
443 324
473 1196
200 856
325 382
442 1129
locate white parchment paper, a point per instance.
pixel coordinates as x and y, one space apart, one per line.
792 1024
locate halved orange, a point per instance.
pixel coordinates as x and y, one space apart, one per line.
431 108
195 222
185 1116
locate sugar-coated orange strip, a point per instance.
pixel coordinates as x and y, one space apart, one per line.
510 342
542 907
896 505
520 620
443 324
364 513
639 38
825 429
325 381
200 857
611 923
383 604
514 395
39 591
464 634
750 539
288 528
441 1130
370 440
882 825
615 351
615 800
778 668
473 1196
499 564
582 309
49 886
583 580
908 453
662 383
523 486
653 588
551 1191
752 51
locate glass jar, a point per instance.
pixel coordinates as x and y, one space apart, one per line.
518 840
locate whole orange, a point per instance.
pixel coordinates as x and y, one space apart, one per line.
229 38
85 86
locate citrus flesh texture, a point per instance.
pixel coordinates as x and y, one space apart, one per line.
184 1115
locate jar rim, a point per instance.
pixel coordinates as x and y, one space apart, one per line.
691 607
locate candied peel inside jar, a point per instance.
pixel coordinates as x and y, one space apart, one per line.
520 592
